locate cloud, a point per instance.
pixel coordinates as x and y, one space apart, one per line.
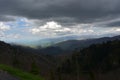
4 32
52 29
114 24
4 27
63 11
28 29
7 18
51 18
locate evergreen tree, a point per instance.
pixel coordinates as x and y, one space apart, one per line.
34 68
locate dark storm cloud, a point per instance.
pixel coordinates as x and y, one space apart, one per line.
114 24
71 11
6 18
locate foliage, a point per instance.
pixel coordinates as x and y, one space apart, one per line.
20 74
34 68
97 58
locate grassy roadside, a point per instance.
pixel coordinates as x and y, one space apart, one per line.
20 74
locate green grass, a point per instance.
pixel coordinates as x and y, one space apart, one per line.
20 74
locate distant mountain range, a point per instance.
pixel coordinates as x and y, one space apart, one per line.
69 46
51 41
65 41
74 44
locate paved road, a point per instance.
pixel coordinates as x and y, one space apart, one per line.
6 76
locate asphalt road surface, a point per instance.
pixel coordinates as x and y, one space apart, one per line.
6 76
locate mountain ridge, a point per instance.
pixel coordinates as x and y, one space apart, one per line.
74 44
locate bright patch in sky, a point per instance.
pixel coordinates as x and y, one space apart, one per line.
50 29
23 29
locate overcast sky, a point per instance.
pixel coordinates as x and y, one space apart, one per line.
23 20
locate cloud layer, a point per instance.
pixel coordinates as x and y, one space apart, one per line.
35 19
60 10
3 28
52 29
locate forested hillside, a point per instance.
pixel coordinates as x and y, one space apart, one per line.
26 59
97 62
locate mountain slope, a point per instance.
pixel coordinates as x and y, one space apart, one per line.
73 44
25 59
97 62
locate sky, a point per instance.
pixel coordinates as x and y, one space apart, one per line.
31 20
